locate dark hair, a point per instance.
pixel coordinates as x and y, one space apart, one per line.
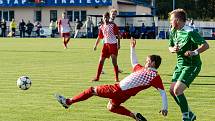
157 59
106 14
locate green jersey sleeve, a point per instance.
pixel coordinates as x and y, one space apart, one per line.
171 42
196 38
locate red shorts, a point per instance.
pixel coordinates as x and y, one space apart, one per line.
65 34
109 49
113 92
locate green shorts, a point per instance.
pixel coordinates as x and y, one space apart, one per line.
185 74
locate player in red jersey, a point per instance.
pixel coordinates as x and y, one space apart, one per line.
64 29
113 14
142 78
108 31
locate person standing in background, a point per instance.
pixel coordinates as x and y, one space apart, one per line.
64 29
22 27
13 28
29 29
3 28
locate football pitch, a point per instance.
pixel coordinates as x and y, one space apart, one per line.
53 69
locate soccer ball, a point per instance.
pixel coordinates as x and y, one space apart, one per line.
24 82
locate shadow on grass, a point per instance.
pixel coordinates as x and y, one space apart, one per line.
197 76
40 51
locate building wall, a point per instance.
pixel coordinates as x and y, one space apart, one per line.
28 13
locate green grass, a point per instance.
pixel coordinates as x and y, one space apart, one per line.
53 69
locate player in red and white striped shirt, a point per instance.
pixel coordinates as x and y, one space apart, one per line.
108 31
142 78
64 29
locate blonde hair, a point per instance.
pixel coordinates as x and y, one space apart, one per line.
180 14
113 10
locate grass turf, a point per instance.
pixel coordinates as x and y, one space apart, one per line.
53 69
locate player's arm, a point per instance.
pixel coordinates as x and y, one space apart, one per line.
100 36
164 109
69 24
117 33
203 47
133 55
157 83
96 43
59 26
118 41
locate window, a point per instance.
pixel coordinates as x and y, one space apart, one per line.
76 15
70 15
53 15
5 15
38 16
83 15
0 15
11 15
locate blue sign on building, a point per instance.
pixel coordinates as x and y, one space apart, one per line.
23 3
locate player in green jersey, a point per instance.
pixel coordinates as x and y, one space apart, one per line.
188 45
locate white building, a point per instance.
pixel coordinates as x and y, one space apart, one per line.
52 9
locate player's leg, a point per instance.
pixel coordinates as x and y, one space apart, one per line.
64 42
186 78
121 110
114 52
66 102
175 77
67 39
116 69
99 70
172 92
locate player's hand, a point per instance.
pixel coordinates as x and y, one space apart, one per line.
118 46
164 112
174 49
190 53
133 42
94 48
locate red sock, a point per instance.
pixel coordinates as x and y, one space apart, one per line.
121 110
99 70
81 97
116 71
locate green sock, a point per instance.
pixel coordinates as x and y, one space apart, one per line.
174 97
183 103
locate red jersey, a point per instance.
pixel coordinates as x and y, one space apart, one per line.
108 32
140 79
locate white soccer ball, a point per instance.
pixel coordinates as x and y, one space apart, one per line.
24 82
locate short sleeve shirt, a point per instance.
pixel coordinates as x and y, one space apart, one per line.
142 78
108 32
186 39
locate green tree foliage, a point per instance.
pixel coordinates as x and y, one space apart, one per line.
196 9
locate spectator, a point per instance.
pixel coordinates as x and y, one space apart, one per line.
38 27
127 32
22 28
78 26
3 26
192 25
30 27
89 26
132 30
12 28
143 31
52 27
